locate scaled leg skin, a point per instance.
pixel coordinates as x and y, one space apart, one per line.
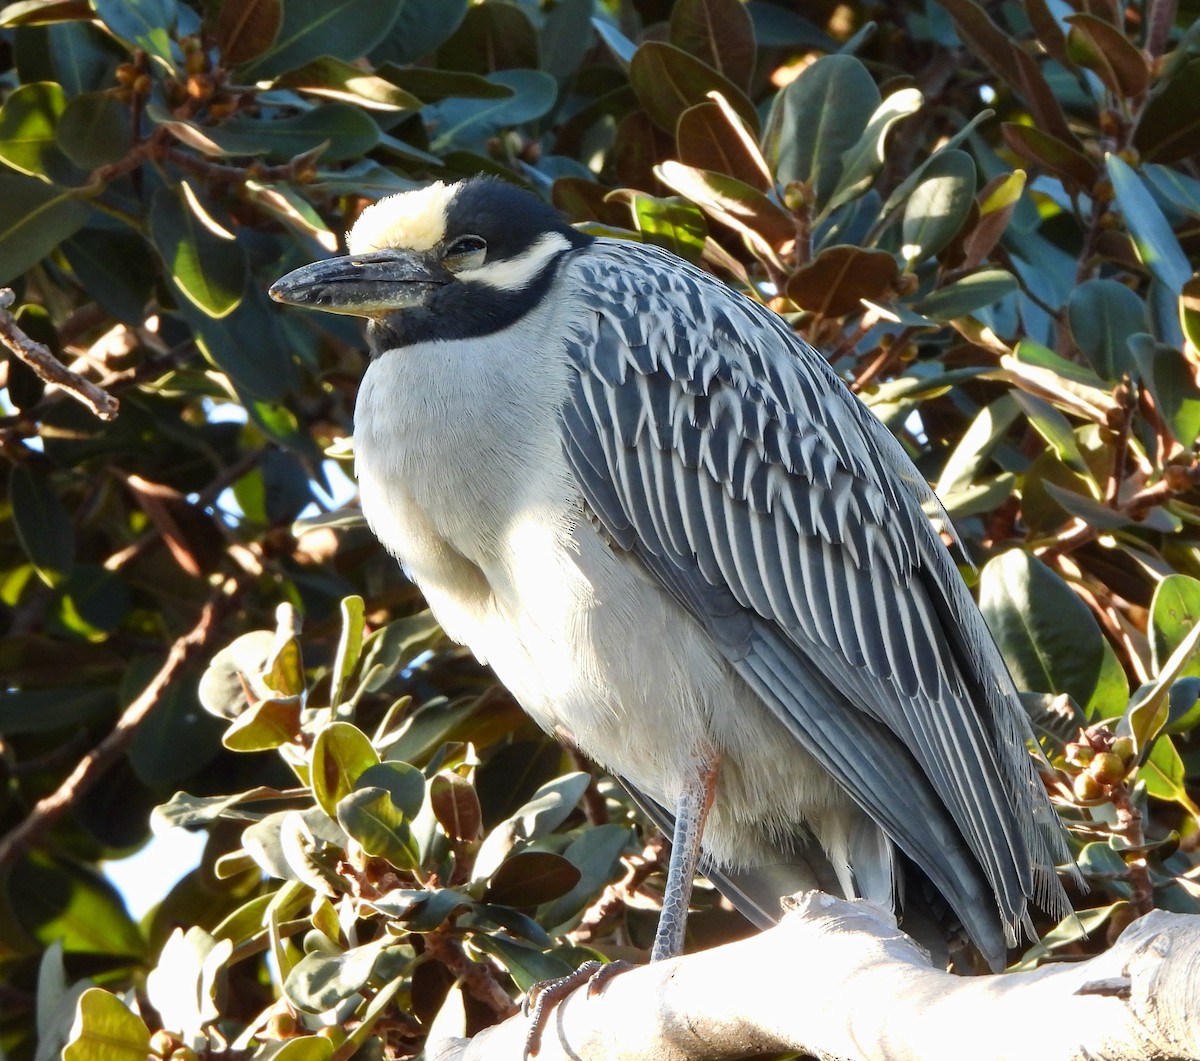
691 813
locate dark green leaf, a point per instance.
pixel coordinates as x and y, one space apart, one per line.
431 85
465 122
1103 314
209 270
865 158
146 23
94 130
968 295
530 878
43 525
1048 636
491 37
718 33
939 206
668 81
28 133
1172 383
372 819
47 710
114 266
816 120
345 131
340 755
420 28
404 783
1155 243
41 12
337 80
343 29
566 37
393 647
596 853
526 965
1174 613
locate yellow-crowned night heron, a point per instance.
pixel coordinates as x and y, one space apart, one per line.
688 550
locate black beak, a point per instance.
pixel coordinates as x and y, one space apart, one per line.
363 285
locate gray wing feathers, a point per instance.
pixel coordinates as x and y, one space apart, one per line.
755 488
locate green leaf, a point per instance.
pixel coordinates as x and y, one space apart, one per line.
370 816
1171 381
742 207
28 133
106 1030
345 130
718 33
350 646
596 853
1150 710
432 85
667 81
1055 428
403 782
1103 314
341 753
146 23
966 296
526 965
939 206
337 80
420 28
94 130
393 647
1155 243
862 161
818 118
969 458
266 725
670 223
566 37
47 710
320 981
462 122
1048 636
1163 773
208 269
115 267
237 667
343 29
1077 926
491 37
1174 614
43 525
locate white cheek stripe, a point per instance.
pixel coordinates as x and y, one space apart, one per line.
514 274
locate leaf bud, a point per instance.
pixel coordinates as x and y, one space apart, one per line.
1107 768
1087 789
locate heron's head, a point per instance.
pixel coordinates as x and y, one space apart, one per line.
440 262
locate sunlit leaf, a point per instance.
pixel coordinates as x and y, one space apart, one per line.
29 122
146 23
340 755
865 158
1172 382
668 81
1174 613
370 816
938 206
837 280
1155 243
106 1030
208 270
456 805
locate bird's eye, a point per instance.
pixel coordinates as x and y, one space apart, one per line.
465 252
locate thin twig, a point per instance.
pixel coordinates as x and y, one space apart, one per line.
105 755
476 978
48 367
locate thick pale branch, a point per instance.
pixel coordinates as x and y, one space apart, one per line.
837 979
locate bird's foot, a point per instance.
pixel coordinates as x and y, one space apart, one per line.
542 998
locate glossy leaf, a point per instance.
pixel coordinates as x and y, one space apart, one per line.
145 23
566 37
1046 151
837 280
817 119
1103 315
596 853
705 140
456 806
29 132
491 37
208 269
266 725
247 28
1048 636
344 82
94 130
969 295
938 206
390 649
466 122
343 29
350 646
530 878
403 782
344 130
1174 613
1172 383
340 755
1163 773
670 223
370 816
668 81
106 1030
1155 243
319 981
34 219
526 965
862 161
718 33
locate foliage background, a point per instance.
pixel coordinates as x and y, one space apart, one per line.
988 220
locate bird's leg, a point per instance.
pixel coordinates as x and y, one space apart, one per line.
691 812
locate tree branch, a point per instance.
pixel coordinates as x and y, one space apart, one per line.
46 365
101 758
838 979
